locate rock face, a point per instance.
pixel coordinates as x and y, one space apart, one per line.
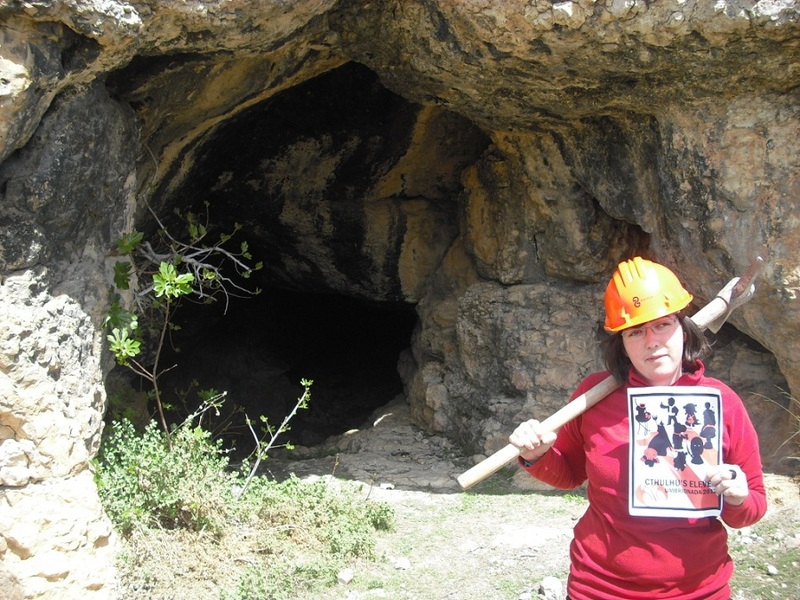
488 163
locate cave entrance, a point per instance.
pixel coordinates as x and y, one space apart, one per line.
260 349
348 195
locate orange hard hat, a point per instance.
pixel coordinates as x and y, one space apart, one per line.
641 291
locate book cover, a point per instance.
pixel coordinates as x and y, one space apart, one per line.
676 438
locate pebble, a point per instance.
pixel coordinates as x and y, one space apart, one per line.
772 570
550 588
400 563
345 576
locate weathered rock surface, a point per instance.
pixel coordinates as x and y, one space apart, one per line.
488 162
58 543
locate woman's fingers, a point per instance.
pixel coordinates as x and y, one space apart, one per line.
530 440
525 436
729 481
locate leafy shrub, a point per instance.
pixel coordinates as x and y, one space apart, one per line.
142 481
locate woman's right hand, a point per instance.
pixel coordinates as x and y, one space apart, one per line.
531 441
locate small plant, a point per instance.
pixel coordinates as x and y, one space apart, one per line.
270 434
158 280
169 286
144 481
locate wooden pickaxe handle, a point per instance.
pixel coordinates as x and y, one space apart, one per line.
710 313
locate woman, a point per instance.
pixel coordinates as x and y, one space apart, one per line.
615 555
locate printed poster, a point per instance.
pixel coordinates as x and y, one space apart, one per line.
676 435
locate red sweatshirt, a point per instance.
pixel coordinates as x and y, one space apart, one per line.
616 556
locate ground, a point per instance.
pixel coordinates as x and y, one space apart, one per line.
498 541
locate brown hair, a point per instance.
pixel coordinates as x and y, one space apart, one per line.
695 347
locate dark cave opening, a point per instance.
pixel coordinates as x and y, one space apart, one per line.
302 178
260 349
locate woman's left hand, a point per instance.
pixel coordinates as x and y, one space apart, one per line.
729 482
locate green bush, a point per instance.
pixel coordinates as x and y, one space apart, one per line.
142 481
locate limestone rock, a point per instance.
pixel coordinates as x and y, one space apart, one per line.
67 548
52 392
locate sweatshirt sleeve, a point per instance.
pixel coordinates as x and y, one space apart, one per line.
740 447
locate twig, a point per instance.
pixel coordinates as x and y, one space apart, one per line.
261 450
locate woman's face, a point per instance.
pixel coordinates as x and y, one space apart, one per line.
656 349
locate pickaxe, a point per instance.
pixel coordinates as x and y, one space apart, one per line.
737 291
